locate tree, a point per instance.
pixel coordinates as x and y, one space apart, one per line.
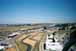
45 27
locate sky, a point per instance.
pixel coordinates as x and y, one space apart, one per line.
37 11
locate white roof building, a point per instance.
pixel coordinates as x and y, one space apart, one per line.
1 47
15 33
52 45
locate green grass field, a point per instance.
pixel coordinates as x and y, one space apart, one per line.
3 29
21 46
